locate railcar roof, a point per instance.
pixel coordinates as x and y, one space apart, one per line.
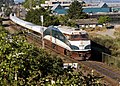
63 29
31 24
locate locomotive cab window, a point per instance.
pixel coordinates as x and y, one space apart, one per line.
79 36
84 35
75 36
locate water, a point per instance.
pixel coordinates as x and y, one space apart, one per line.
106 1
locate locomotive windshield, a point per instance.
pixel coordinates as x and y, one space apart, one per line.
80 36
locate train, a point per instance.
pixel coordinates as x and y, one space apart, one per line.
69 41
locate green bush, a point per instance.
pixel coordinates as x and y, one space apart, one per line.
23 64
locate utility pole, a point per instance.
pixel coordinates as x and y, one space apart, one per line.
18 9
30 4
41 17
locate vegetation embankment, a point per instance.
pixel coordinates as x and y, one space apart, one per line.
113 44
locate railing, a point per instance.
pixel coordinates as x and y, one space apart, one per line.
111 60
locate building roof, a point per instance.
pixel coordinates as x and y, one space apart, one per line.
100 5
55 6
58 9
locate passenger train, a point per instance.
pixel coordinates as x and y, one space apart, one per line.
67 41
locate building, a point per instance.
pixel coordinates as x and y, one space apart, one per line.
102 7
51 3
86 23
63 3
61 7
58 6
114 4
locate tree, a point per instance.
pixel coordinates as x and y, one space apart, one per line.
1 21
8 11
21 63
64 20
104 19
75 11
34 17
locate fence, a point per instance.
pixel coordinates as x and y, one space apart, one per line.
110 60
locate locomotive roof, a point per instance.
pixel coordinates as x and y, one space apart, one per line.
70 30
53 28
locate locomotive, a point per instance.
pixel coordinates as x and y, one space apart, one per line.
65 40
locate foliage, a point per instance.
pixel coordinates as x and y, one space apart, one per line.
64 20
34 17
26 4
1 21
75 11
118 64
72 79
105 41
8 11
104 19
112 44
23 64
51 20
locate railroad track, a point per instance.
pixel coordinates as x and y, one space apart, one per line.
102 69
